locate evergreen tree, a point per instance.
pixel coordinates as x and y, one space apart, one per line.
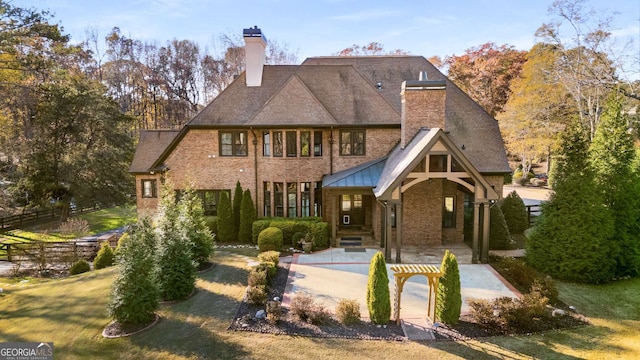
237 205
193 223
449 299
247 217
226 227
499 236
134 294
177 271
515 213
378 297
611 155
105 256
571 239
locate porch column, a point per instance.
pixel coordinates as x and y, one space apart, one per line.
476 230
485 234
398 232
387 240
334 217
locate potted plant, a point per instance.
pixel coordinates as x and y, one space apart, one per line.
307 243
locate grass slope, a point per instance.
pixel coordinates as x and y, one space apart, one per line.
71 313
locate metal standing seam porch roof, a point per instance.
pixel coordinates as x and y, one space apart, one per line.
364 175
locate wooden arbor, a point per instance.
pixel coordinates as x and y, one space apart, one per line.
402 273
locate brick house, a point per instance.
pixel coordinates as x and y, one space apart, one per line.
384 148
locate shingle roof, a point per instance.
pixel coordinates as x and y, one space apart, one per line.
363 175
151 145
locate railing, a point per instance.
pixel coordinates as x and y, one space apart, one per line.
533 211
49 252
29 217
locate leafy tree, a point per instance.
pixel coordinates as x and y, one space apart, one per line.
247 217
134 294
611 155
515 213
226 227
372 48
378 297
237 204
537 109
500 238
571 239
193 223
176 268
449 301
485 73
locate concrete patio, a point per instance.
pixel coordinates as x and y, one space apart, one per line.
338 273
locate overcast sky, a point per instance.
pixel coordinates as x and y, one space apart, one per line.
324 27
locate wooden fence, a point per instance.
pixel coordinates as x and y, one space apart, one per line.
30 217
44 253
533 211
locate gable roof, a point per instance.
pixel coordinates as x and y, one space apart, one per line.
402 161
151 145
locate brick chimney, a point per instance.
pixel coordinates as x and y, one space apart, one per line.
255 55
423 104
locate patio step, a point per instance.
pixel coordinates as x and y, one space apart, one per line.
350 241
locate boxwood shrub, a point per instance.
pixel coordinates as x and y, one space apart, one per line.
270 239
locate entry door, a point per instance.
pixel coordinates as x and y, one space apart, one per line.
351 210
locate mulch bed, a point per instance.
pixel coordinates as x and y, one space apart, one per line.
466 329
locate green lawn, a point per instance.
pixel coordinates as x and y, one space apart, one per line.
71 313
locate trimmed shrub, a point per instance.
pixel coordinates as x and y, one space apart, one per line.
237 205
257 278
121 241
257 295
348 312
378 297
105 257
269 268
257 228
134 293
288 228
270 256
321 234
515 213
212 224
226 225
79 267
305 309
296 238
274 312
449 300
270 239
499 236
247 217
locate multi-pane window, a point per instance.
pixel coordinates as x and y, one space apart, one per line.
149 188
291 144
267 198
346 202
352 142
292 199
449 212
277 143
317 143
278 199
233 143
210 200
317 199
266 141
305 198
305 139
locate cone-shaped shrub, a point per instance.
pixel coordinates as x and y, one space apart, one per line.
499 236
449 300
134 294
515 213
105 257
247 217
226 226
237 205
193 223
378 297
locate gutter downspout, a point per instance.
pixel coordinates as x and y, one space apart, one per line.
331 151
255 167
